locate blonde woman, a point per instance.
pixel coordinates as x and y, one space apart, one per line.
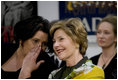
70 44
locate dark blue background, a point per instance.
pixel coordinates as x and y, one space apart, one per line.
88 12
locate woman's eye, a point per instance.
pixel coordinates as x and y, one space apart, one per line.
36 41
61 38
107 33
98 32
53 41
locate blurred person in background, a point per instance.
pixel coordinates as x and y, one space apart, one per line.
107 40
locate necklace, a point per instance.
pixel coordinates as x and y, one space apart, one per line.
104 65
104 62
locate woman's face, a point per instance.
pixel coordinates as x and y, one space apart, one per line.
40 37
105 35
63 45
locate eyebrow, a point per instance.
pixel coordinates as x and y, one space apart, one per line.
35 38
58 37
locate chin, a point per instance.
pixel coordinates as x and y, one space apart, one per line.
61 58
101 45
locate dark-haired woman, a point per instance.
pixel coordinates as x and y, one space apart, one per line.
29 33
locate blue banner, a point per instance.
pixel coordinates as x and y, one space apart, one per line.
90 12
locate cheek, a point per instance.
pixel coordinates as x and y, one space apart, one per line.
97 36
27 48
54 49
110 38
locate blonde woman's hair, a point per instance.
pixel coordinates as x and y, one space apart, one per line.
74 28
112 20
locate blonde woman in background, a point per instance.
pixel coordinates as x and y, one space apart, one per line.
107 40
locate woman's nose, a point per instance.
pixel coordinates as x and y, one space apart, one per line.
102 35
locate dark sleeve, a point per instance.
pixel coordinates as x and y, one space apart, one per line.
9 75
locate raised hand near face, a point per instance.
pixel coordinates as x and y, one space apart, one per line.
29 63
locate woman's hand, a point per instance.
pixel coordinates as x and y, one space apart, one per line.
29 63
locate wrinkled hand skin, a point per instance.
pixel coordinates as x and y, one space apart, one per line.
29 63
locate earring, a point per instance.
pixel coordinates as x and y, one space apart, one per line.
20 43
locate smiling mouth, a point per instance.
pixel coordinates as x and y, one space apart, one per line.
60 51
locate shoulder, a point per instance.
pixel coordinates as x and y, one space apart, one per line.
95 59
7 50
89 71
93 69
94 73
52 74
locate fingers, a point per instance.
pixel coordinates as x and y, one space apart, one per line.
33 53
40 62
37 52
35 48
